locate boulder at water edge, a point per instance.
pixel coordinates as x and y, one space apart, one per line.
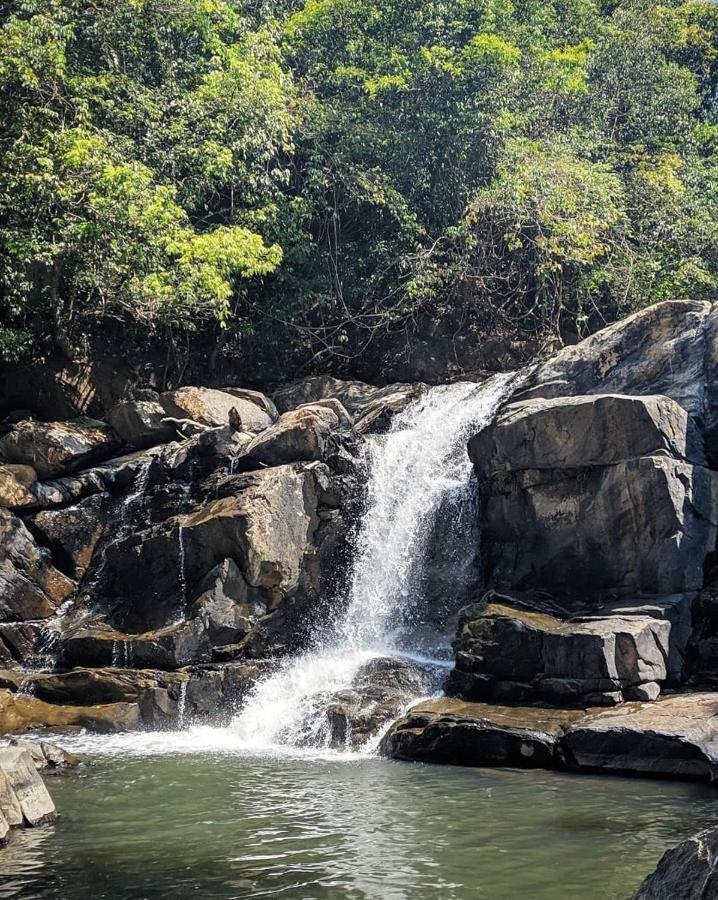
687 872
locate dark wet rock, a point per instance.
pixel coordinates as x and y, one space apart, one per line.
72 533
686 872
676 736
477 734
30 586
208 406
269 528
168 648
139 422
380 690
55 448
227 606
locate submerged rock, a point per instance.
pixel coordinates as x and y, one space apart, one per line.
379 692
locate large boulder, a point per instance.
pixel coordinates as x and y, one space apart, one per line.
54 448
30 586
594 497
506 652
578 432
644 526
662 349
686 872
310 433
676 736
267 526
139 421
211 407
24 799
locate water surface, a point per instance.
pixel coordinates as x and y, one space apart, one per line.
147 823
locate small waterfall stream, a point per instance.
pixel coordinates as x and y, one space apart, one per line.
412 469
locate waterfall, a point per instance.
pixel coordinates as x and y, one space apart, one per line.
412 470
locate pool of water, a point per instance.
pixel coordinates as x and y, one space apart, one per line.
183 820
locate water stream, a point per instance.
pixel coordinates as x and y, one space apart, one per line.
412 470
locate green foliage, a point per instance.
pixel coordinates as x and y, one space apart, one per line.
343 167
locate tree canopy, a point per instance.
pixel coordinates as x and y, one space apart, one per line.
341 167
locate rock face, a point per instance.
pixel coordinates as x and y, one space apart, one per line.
211 407
54 448
638 356
161 583
30 586
506 650
267 524
687 872
571 511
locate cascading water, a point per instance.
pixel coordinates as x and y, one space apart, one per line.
412 469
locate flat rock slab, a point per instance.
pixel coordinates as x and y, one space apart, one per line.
676 736
22 712
478 734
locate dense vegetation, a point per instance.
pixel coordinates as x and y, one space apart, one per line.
343 167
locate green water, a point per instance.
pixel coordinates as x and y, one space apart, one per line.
221 825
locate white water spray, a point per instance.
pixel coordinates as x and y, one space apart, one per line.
412 469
